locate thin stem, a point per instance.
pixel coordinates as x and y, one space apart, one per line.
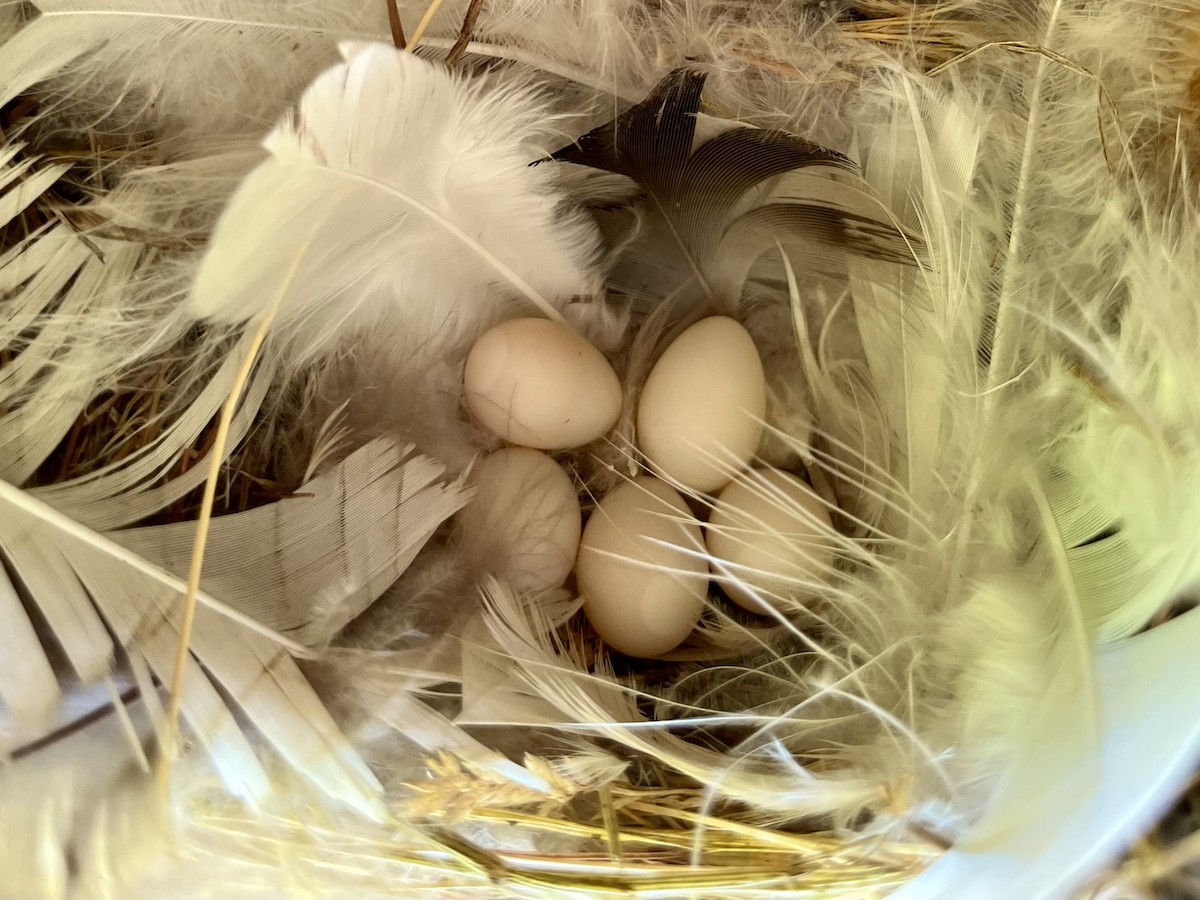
423 25
464 33
396 26
206 508
201 540
1003 335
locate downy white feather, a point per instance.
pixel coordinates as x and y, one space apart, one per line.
975 437
1128 504
946 496
398 187
919 327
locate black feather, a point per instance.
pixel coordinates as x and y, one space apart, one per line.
694 231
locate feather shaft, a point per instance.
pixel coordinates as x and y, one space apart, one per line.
999 366
42 511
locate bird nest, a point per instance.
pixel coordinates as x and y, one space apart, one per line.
587 806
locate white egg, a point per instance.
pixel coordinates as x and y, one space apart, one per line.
523 524
539 384
700 417
643 591
769 536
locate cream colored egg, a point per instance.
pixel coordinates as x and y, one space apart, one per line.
539 384
699 420
523 524
643 591
769 536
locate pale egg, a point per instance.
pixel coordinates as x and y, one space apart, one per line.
524 521
770 538
641 571
700 417
539 384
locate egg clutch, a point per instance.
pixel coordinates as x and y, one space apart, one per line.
645 559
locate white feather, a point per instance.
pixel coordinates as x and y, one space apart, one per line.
54 554
121 61
76 576
22 181
1146 753
305 566
1131 503
1021 717
41 402
595 704
397 186
919 326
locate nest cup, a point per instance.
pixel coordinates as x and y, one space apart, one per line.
815 748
